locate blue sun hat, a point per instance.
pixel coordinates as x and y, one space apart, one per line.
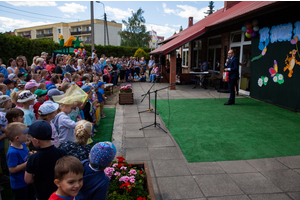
102 154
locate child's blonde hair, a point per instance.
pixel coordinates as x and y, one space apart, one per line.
43 73
68 75
5 98
2 75
14 129
14 97
83 131
42 86
64 87
75 76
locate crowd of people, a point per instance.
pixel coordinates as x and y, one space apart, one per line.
48 155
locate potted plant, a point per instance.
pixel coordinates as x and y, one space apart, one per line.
129 181
126 95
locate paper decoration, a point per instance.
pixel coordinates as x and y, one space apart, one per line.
282 32
77 42
273 70
291 62
69 42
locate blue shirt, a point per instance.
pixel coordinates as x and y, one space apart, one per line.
3 70
8 92
16 157
99 95
95 184
205 66
29 117
23 70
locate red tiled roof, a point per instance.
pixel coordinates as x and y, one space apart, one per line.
199 28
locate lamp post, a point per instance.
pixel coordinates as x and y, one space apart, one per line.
105 25
92 26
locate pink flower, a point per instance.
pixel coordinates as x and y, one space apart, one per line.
115 165
109 171
123 168
125 179
117 174
132 180
132 172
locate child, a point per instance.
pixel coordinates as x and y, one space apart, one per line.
44 74
142 76
5 103
68 178
15 115
14 98
17 156
65 124
31 86
130 78
42 86
27 98
22 76
3 88
67 77
47 112
1 78
75 78
36 77
101 98
95 182
41 97
136 77
40 166
106 72
88 110
10 85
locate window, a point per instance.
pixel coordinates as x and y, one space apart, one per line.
88 38
235 37
79 38
59 31
77 29
88 28
214 41
49 31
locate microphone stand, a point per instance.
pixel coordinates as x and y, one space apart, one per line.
148 93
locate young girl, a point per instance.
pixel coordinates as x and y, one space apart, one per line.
130 78
48 111
14 98
27 98
154 72
5 103
67 77
106 72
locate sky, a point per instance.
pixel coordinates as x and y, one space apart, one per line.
164 17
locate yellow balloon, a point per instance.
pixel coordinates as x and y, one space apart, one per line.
81 45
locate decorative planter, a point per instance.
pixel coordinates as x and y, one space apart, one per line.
149 185
125 98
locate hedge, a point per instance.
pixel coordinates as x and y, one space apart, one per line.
13 46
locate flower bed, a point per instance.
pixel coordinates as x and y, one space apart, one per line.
126 95
129 181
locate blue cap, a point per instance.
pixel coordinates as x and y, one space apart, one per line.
8 81
50 86
86 88
101 83
48 107
40 129
102 154
63 74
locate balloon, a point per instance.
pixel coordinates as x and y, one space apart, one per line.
253 34
254 22
75 50
255 28
249 25
244 28
296 38
249 30
293 41
248 35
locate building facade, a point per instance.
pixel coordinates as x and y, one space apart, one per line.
82 29
269 59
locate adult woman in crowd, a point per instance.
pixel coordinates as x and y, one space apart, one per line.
75 66
20 65
114 71
33 66
123 70
39 66
79 148
11 66
69 66
97 67
128 67
59 66
80 64
25 64
143 63
50 65
137 65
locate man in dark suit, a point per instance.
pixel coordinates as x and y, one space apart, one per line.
233 69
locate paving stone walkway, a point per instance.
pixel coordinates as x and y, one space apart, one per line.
174 178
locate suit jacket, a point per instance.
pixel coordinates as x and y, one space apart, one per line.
233 64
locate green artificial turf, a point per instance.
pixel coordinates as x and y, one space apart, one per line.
206 130
105 128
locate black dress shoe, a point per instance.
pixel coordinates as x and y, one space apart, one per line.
228 103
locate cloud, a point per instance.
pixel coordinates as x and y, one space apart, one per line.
118 14
9 24
176 25
168 10
32 3
66 16
190 11
72 8
186 11
161 30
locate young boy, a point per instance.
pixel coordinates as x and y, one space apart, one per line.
40 166
36 78
10 85
101 97
3 88
27 99
17 156
65 124
41 97
95 182
15 115
22 76
68 178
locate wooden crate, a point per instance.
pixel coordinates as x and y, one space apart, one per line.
125 98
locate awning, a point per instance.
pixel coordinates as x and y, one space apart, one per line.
225 14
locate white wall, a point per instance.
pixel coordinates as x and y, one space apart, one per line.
114 37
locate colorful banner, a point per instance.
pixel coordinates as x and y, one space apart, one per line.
154 39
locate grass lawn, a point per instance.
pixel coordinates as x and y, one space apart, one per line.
206 130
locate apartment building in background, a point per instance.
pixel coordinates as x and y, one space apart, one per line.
80 28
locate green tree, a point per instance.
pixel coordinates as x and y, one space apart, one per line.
135 34
211 8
